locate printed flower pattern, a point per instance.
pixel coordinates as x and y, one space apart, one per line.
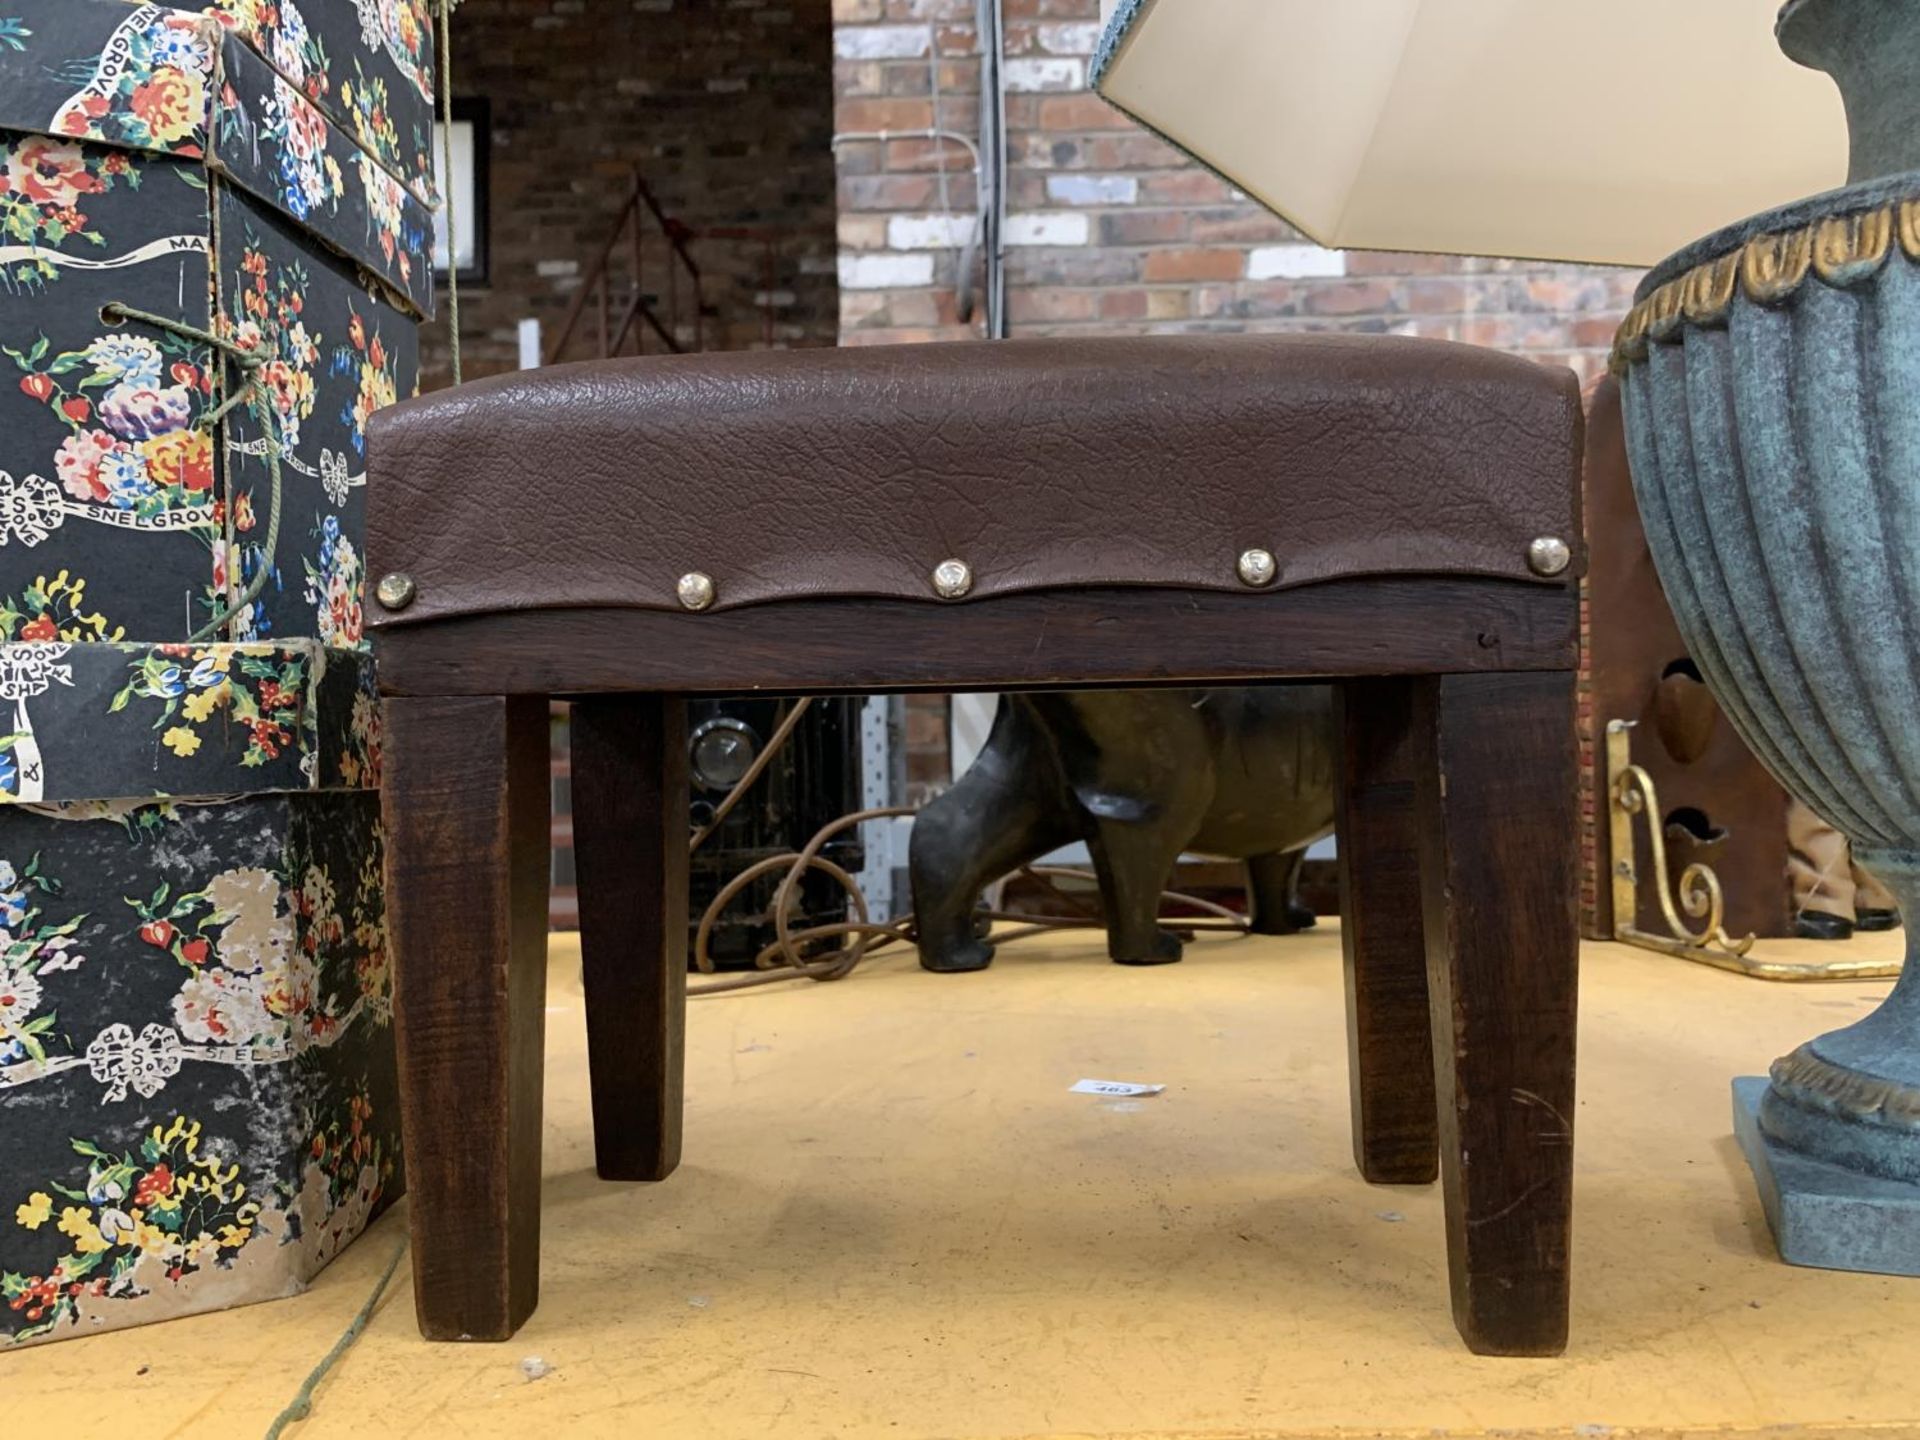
273 303
389 222
110 718
133 407
310 179
334 585
349 1166
253 948
154 97
31 948
404 29
369 114
391 33
360 757
54 609
278 30
46 185
365 359
274 952
279 959
170 1208
258 687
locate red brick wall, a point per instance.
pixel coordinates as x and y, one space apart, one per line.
725 105
1112 230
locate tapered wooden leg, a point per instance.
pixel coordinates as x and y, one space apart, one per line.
630 851
1500 878
465 804
1389 1037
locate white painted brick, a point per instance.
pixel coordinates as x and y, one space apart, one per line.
885 272
928 232
1048 228
1092 189
1294 262
881 42
1026 75
1069 38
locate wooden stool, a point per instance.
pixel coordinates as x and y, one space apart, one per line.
1392 514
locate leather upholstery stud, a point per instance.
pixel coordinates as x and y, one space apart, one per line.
952 579
1548 555
696 591
1257 567
395 591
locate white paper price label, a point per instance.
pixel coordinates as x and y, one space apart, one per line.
1112 1087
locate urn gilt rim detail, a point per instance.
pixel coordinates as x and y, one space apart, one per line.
1843 248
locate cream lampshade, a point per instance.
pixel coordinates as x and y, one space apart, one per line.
1612 130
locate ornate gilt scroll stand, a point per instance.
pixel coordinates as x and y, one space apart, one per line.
1630 793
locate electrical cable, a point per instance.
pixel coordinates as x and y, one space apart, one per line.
792 954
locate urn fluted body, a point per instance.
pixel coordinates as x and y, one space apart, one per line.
1771 380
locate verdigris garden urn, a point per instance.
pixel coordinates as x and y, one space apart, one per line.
1771 381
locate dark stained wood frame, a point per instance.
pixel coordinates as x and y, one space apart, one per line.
1458 849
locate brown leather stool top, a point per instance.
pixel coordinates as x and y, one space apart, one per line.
1397 516
1038 464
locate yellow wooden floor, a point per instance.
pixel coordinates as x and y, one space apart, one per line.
894 1220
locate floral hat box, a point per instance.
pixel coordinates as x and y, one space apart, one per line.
198 1099
197 1094
198 1102
150 158
367 63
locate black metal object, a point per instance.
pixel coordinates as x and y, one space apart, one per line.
815 779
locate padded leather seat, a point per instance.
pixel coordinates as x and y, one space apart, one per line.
1038 463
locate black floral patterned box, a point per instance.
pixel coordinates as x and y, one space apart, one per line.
197 1089
149 158
197 1085
368 64
105 721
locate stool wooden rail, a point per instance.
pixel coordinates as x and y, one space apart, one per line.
1457 830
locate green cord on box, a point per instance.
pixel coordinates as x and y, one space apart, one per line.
443 9
251 392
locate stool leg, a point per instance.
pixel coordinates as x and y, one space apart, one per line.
630 849
1396 1138
465 804
1499 878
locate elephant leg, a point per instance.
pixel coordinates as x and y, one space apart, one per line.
1134 862
999 815
1139 764
1273 893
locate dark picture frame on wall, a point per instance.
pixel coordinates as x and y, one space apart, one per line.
468 188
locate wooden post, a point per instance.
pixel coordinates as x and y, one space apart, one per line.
630 850
465 804
1389 1044
1500 882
